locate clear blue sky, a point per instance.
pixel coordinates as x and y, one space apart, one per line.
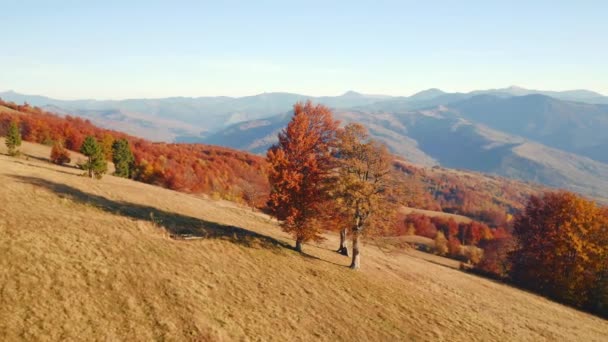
126 49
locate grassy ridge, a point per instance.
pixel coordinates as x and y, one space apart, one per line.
83 260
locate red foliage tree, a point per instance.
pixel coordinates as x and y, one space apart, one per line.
300 165
422 224
495 257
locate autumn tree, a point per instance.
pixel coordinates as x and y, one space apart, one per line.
59 154
107 144
562 244
299 170
96 163
423 225
454 246
362 185
124 161
495 260
441 243
13 138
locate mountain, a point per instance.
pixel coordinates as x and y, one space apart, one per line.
254 136
169 118
556 138
579 95
191 118
533 138
570 126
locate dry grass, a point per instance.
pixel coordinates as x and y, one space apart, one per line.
431 213
41 152
82 259
4 109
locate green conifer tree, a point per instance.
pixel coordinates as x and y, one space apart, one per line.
123 159
13 138
96 164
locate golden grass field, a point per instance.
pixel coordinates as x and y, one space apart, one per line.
430 213
82 259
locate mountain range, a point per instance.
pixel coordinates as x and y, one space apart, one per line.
554 138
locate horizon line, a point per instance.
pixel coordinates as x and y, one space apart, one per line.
295 93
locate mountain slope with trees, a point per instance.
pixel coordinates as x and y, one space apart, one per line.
93 259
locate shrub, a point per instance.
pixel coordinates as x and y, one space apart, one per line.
59 155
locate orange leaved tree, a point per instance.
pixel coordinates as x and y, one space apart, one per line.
362 187
59 155
300 167
562 249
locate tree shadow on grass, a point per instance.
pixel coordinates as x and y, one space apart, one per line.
179 226
25 162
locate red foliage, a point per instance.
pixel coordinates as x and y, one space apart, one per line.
300 166
59 155
562 249
453 246
487 199
466 233
423 225
495 256
194 168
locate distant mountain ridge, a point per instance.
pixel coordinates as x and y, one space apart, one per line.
555 138
208 114
200 114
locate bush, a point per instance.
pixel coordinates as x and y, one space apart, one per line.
473 254
59 155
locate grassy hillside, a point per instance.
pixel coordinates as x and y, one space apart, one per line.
82 259
432 213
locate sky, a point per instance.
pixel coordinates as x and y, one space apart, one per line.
146 49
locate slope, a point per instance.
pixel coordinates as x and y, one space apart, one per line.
569 126
83 259
444 135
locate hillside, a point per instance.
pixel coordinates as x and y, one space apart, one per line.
192 168
531 138
84 259
240 176
569 126
548 137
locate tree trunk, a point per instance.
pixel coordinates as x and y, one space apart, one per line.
299 245
356 263
343 249
90 168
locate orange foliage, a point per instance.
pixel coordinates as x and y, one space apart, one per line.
300 165
484 198
59 155
562 249
194 168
